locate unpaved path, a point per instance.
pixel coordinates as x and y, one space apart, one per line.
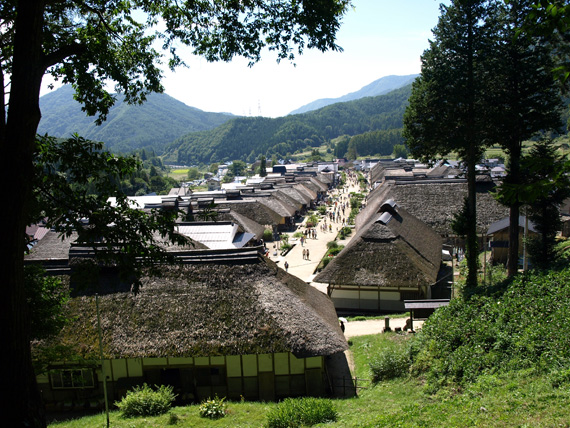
361 328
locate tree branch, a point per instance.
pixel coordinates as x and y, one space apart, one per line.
59 55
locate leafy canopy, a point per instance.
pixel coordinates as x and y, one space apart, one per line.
91 42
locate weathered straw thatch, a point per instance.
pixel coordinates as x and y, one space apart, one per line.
275 204
313 184
436 203
405 252
300 187
208 310
293 192
247 224
286 199
253 210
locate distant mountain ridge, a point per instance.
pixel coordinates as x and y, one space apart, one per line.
378 87
245 138
154 124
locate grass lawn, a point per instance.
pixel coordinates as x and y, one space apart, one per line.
518 399
180 174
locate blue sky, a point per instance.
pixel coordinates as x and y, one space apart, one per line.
379 38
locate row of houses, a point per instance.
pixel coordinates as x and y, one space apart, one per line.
400 236
224 320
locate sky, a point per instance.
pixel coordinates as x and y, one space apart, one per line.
379 38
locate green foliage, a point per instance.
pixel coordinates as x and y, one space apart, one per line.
389 363
193 173
213 408
74 181
509 326
322 209
301 412
267 235
344 232
156 123
46 298
378 119
332 244
144 401
400 151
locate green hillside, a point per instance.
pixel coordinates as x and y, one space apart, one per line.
245 138
152 125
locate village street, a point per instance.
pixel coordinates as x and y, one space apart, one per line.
305 269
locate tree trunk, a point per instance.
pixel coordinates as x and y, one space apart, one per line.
21 401
471 246
514 211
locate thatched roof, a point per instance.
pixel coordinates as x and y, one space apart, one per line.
436 202
292 191
247 224
280 206
53 250
398 251
252 209
286 199
208 309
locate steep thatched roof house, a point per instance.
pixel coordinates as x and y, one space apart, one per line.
392 258
435 202
223 322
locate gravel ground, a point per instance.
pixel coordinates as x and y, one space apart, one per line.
361 328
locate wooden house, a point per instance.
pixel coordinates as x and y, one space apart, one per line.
392 258
222 322
498 234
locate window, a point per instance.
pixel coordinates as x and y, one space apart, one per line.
72 378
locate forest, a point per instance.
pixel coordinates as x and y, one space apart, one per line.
376 120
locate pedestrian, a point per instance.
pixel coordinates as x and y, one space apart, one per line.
286 266
308 254
302 241
304 254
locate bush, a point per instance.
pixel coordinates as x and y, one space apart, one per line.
332 244
297 412
322 209
213 408
144 401
390 363
519 324
267 235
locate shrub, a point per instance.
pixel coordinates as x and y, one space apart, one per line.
332 244
390 363
322 209
297 412
144 401
520 324
213 408
267 235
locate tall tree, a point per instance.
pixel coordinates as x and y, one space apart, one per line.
544 185
88 43
523 97
263 166
447 111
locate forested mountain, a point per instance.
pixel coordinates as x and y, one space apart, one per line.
378 87
152 125
245 138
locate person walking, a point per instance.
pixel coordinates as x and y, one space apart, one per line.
286 266
308 254
304 254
